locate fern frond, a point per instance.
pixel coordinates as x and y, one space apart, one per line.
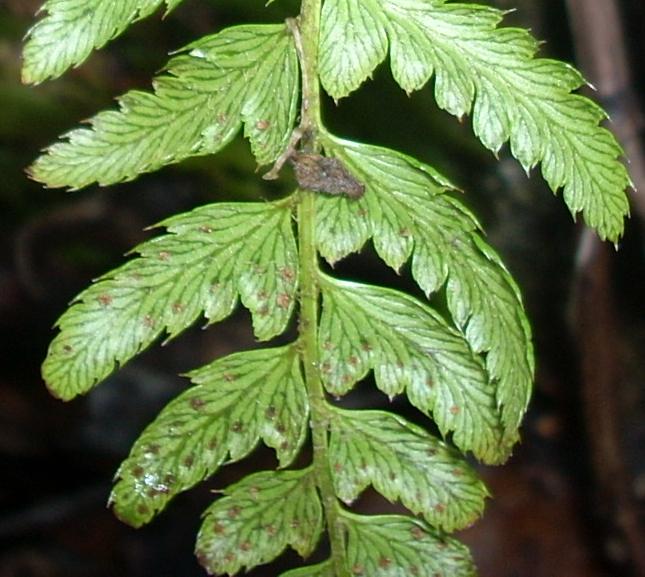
72 29
210 256
411 350
258 518
407 212
494 74
236 401
244 74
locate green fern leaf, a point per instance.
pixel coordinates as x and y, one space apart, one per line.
395 546
364 44
211 255
493 73
406 211
71 29
402 461
412 349
259 517
243 74
238 400
325 569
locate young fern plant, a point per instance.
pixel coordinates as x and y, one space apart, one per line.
470 370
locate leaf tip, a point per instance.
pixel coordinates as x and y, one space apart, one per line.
26 78
56 393
124 517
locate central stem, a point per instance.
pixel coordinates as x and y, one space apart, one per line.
317 401
306 34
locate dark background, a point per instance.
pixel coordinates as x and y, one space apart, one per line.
570 503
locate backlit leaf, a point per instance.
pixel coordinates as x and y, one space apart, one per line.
258 518
493 74
72 29
395 546
413 350
237 401
352 43
211 255
406 210
404 462
244 74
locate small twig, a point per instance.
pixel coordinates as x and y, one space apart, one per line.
305 119
305 129
289 151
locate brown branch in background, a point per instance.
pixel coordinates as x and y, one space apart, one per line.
600 345
601 51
